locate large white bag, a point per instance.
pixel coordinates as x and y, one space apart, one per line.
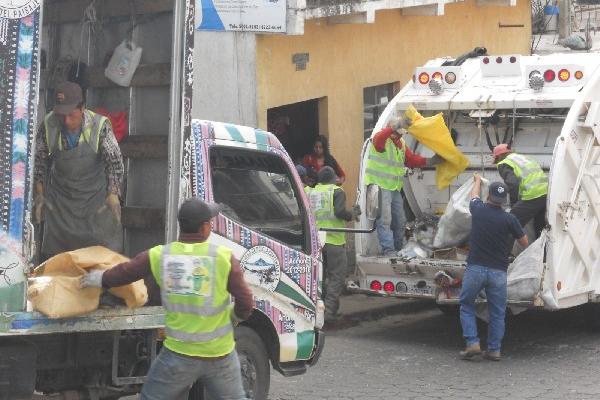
455 225
524 275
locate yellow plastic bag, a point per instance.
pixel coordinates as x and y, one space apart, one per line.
433 133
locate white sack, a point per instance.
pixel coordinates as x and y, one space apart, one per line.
455 225
524 274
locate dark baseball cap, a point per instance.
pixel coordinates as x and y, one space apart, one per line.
326 175
498 192
68 96
197 211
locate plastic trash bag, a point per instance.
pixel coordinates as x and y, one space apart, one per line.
455 224
55 292
433 133
524 275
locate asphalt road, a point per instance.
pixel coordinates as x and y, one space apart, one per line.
415 356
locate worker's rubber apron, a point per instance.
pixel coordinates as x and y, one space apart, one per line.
76 191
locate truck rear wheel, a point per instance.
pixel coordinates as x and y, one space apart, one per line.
254 362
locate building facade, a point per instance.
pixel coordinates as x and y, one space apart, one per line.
339 64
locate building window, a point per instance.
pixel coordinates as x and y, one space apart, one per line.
256 189
375 98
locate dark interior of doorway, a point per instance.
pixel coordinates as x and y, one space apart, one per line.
296 125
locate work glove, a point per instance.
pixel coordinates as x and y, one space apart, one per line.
113 204
93 278
356 212
400 124
435 160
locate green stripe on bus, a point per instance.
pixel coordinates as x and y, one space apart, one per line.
288 291
235 134
306 340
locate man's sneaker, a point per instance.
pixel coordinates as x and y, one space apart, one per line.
492 355
471 352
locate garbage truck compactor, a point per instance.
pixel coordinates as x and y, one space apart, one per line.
544 107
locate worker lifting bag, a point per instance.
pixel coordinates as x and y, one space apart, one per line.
433 133
55 292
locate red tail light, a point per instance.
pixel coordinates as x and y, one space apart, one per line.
578 75
388 286
549 75
437 75
564 75
375 285
423 78
499 60
486 60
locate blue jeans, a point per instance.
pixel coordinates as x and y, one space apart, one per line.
493 281
172 375
392 222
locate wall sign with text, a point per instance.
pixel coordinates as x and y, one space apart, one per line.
241 15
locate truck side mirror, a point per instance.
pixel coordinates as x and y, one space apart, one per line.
373 202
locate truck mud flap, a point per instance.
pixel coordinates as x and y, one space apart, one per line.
17 371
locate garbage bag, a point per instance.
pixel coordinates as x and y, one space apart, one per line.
455 224
524 275
433 133
60 296
57 295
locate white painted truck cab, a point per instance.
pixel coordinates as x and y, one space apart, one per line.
547 107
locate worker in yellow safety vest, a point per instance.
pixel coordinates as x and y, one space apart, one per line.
388 159
328 204
527 184
196 278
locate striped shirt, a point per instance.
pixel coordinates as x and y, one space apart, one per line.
109 151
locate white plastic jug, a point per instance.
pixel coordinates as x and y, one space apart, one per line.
123 63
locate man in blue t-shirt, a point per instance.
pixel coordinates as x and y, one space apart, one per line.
492 234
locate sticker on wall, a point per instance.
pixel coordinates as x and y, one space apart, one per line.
262 267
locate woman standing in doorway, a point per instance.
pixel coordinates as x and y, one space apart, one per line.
321 157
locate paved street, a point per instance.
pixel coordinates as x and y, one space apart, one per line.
414 356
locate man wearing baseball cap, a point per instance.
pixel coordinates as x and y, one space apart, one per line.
493 231
77 177
196 279
527 185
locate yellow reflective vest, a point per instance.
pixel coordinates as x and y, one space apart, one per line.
321 204
534 182
193 285
386 169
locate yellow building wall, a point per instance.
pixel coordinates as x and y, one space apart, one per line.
346 58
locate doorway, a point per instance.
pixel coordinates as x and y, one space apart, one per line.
296 125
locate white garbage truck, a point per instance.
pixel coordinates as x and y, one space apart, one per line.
545 107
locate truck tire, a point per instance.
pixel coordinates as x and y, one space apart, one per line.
254 361
591 312
450 310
